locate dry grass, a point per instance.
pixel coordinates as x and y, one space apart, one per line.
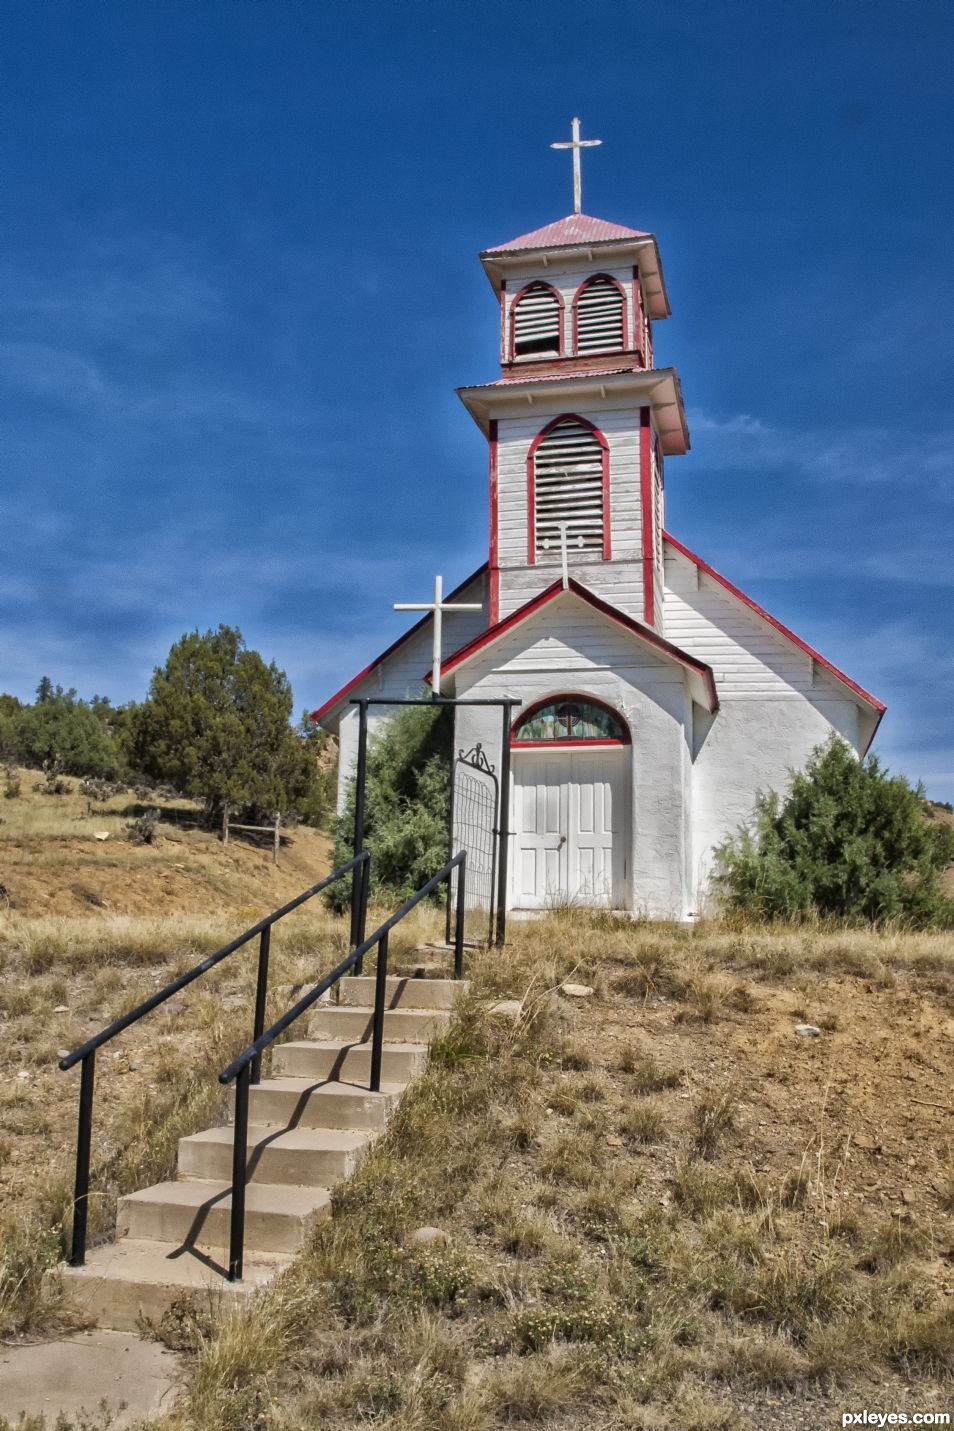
615 1258
655 1215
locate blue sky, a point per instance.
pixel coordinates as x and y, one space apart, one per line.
238 284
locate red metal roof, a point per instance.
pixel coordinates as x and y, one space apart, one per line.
574 229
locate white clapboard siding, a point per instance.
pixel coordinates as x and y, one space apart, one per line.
568 487
566 637
619 583
599 317
536 322
750 659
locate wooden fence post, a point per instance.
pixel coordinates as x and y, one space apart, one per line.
225 824
278 836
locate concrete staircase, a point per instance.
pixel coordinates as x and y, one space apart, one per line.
310 1124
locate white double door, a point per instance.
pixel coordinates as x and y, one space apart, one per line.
569 823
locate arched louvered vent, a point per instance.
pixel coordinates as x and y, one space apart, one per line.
568 487
536 322
599 317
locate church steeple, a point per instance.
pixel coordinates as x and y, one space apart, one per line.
576 293
580 419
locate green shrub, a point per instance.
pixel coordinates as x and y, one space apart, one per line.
407 803
60 727
850 842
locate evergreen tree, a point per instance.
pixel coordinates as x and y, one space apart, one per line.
215 724
850 842
62 727
407 803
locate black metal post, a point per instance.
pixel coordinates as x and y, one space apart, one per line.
377 1027
239 1161
450 842
504 823
365 895
459 923
84 1134
261 993
361 773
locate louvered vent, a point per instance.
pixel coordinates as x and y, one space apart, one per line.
536 322
568 487
599 317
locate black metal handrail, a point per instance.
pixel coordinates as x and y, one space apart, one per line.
240 1067
86 1053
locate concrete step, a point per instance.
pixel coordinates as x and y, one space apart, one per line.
353 1025
129 1280
197 1213
402 993
305 1103
305 1157
351 1063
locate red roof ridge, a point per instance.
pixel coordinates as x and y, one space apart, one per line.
779 626
564 233
550 593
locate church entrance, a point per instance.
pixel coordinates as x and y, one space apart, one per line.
570 813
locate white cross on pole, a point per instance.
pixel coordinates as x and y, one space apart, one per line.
563 527
438 606
576 144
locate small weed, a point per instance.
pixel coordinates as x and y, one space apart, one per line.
947 1179
643 1123
712 1115
923 1342
647 1076
699 1190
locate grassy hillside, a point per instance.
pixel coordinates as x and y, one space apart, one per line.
51 861
661 1207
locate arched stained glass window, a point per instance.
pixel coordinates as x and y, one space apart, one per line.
570 718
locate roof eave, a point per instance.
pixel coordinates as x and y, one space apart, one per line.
481 398
497 262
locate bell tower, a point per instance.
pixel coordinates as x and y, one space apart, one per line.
580 420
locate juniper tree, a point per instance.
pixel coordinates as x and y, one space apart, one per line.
215 725
850 841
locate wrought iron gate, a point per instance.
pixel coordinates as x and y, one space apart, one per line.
474 819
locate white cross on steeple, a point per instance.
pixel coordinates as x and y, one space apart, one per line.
438 606
576 144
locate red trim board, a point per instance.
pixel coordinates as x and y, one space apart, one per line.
646 513
494 538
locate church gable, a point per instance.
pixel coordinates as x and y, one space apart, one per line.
754 657
571 630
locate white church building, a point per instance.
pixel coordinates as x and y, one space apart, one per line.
657 698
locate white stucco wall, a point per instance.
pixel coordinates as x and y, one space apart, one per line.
570 647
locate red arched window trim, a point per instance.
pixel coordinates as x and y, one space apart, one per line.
576 311
552 700
511 341
531 495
